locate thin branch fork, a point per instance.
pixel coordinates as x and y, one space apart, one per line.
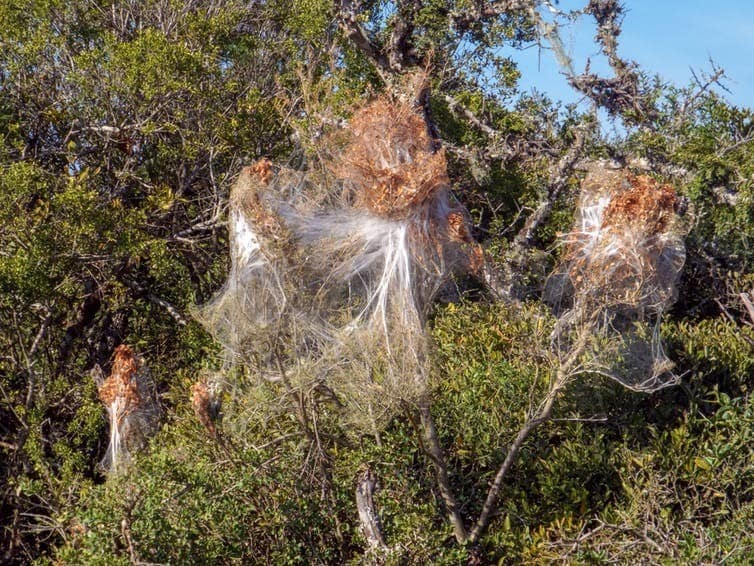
565 373
691 103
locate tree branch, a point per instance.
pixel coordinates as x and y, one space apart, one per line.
348 21
171 309
563 376
431 446
621 94
483 11
370 520
557 182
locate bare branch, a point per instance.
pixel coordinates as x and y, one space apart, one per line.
691 103
370 520
170 308
565 372
483 11
431 447
348 21
557 182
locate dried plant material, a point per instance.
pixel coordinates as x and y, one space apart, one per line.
262 169
128 395
389 162
205 405
332 277
645 203
621 266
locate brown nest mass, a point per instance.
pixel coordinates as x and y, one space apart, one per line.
646 204
121 383
389 161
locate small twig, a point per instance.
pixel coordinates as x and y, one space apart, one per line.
579 420
8 445
171 309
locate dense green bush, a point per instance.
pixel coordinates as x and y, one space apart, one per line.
122 125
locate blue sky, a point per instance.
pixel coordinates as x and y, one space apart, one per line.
666 37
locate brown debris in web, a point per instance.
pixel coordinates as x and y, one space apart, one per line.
246 196
121 383
624 248
262 169
646 203
202 403
458 228
620 271
132 407
389 163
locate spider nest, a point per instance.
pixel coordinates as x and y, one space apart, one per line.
620 268
332 275
129 397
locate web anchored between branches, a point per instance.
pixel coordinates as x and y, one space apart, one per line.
129 397
333 273
621 265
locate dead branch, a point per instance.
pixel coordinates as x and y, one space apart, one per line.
370 519
621 94
170 308
483 11
746 300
